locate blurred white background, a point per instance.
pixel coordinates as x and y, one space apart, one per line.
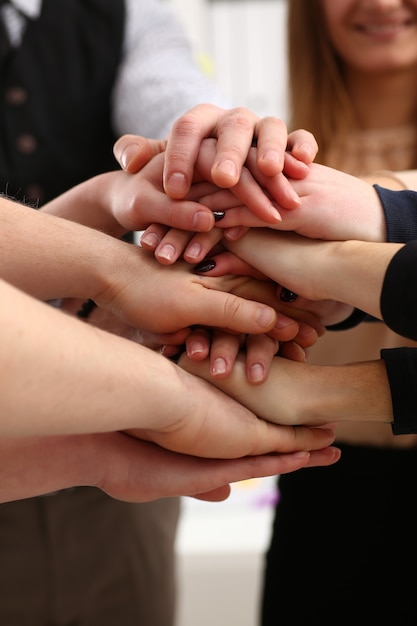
241 45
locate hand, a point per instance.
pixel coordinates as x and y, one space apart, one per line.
333 206
231 207
147 187
169 344
298 393
328 312
223 349
104 383
234 131
131 470
238 304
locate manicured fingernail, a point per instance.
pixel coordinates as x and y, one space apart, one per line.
256 373
287 296
204 266
167 252
218 367
195 348
193 252
218 215
150 240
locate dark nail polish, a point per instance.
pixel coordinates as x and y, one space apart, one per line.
254 143
204 266
287 296
218 215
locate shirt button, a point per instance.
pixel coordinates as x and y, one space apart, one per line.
16 96
26 144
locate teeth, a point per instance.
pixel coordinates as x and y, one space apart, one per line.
383 29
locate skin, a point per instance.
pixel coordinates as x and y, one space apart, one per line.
105 383
129 150
312 268
375 37
115 454
118 199
130 469
80 262
234 130
299 393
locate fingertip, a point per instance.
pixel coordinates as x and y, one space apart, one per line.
225 173
127 157
266 318
176 185
270 163
305 153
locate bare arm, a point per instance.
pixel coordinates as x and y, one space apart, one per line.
129 469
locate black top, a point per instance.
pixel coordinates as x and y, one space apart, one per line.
399 305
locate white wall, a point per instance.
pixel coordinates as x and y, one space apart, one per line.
245 42
220 548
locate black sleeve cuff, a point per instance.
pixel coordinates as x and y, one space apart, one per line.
400 208
398 301
353 320
401 366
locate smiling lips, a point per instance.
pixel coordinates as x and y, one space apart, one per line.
385 30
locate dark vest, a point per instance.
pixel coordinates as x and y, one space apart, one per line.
56 90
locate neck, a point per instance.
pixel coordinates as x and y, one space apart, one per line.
384 100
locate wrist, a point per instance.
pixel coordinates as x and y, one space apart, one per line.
352 392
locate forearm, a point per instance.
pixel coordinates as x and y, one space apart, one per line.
351 392
344 271
77 379
50 257
31 466
298 393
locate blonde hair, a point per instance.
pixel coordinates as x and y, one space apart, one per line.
318 97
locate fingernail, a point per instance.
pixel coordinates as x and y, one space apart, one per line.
150 240
233 233
271 155
193 252
265 317
202 221
218 215
176 184
127 155
195 348
167 252
256 373
218 367
287 296
227 167
204 266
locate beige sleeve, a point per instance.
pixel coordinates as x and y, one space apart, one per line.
406 179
